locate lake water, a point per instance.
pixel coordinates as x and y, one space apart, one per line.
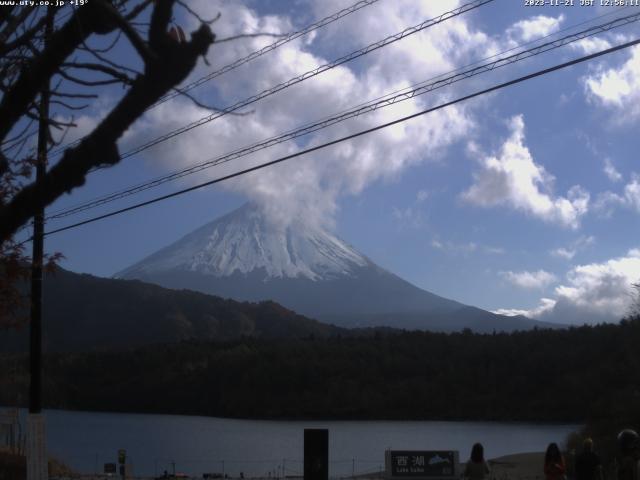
86 441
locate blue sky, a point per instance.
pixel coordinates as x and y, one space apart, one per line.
522 201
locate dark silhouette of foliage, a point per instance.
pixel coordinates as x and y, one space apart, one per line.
83 312
579 374
61 60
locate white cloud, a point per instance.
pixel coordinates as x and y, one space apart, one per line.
546 305
465 248
607 202
455 248
84 125
565 253
422 195
569 252
628 198
513 179
617 88
434 51
610 171
592 293
309 187
591 45
525 279
534 27
564 99
412 215
632 193
409 216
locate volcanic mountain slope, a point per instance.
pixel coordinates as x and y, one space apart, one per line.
309 270
82 312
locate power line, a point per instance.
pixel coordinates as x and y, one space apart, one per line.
403 95
268 142
381 43
252 56
258 53
352 136
364 108
39 42
307 75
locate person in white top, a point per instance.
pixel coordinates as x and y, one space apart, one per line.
476 468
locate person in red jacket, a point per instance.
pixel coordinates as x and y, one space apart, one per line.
554 466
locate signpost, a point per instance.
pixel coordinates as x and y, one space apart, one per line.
421 464
122 458
9 429
37 464
37 467
316 454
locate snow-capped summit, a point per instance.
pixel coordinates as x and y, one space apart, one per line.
244 241
244 256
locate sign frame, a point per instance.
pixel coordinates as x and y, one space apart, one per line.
422 464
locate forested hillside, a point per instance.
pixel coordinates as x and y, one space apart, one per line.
551 375
83 312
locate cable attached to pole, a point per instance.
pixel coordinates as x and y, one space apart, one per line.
352 136
382 102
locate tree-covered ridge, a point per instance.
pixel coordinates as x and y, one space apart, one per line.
83 312
550 375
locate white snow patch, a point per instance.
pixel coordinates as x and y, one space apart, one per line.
244 241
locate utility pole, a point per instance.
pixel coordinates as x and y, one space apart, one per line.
37 465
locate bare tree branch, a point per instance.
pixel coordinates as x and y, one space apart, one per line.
4 165
209 107
68 105
97 67
33 63
104 49
634 307
24 38
99 147
88 83
13 23
43 66
197 16
73 95
20 146
104 59
16 137
55 143
57 124
138 43
250 35
5 14
138 10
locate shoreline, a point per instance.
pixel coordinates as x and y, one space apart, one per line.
519 466
315 419
516 466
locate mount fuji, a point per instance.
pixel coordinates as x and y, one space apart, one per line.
245 257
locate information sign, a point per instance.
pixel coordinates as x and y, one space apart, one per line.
415 464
